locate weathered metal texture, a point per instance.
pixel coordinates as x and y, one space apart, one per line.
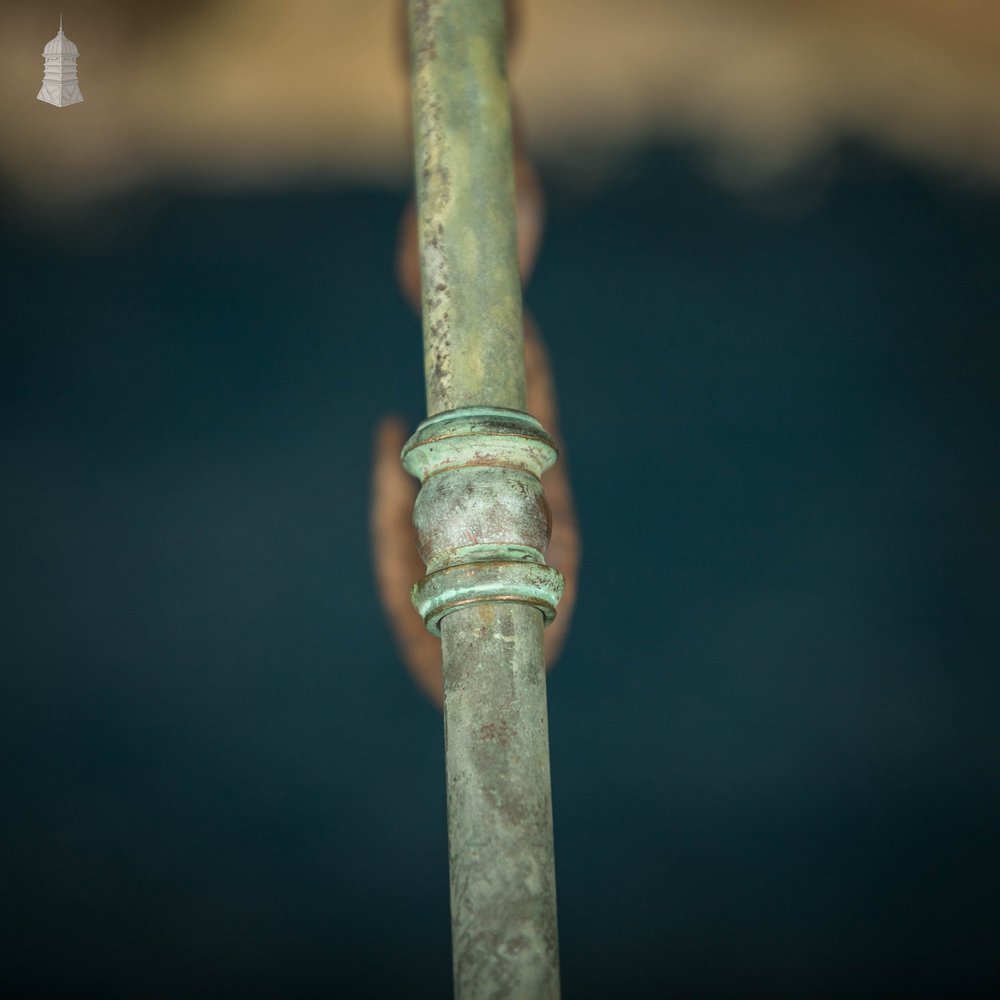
482 526
479 435
503 893
481 518
438 595
473 347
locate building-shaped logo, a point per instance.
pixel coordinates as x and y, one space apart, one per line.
59 86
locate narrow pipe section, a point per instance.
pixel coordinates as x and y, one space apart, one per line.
471 289
503 892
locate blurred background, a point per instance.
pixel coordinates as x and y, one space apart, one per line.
771 290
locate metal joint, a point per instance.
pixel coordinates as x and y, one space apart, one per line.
481 518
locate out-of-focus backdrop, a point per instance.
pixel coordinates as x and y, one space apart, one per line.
771 290
243 91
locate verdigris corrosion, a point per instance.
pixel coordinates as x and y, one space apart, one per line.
473 340
482 520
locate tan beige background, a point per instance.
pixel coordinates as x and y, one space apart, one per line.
245 91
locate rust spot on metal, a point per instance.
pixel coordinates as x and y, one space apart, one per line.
498 732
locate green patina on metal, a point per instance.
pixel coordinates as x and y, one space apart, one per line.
481 517
479 435
473 347
503 889
483 582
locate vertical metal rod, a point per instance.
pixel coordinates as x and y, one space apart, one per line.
473 334
482 512
503 891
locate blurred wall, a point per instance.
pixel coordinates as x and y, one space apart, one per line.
239 92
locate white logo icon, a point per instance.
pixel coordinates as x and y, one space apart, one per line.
59 85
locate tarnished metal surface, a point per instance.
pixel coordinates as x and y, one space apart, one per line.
488 513
503 899
473 346
481 518
482 527
438 595
479 435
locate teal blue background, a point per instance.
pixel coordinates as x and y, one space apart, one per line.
774 728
